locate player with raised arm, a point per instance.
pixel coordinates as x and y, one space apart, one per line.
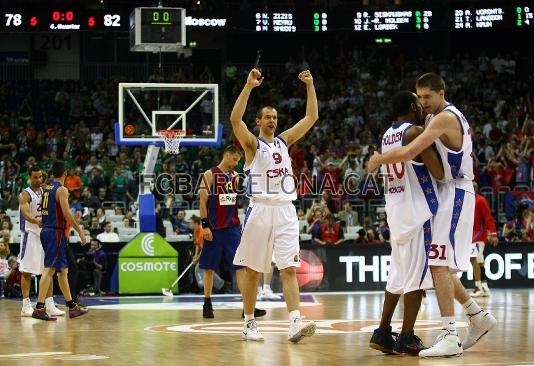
271 224
411 202
55 213
31 255
453 223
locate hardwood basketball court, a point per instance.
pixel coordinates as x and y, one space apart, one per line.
163 331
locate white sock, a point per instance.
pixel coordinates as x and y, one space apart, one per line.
471 307
449 324
478 284
248 317
294 315
485 285
266 287
26 301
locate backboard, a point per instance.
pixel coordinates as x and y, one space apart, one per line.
146 108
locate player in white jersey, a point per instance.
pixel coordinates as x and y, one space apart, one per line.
31 255
271 224
453 223
411 202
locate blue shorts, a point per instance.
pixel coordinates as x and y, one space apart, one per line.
55 248
223 247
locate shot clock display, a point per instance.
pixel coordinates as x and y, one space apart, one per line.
153 29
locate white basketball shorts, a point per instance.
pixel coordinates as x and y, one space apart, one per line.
31 256
408 267
477 251
452 232
270 231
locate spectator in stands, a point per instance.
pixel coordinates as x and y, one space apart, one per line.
160 227
108 235
96 181
348 216
9 201
4 253
117 185
130 216
331 232
13 276
92 267
126 223
179 224
362 237
383 231
102 195
90 200
7 233
101 216
93 164
73 183
372 236
95 227
314 227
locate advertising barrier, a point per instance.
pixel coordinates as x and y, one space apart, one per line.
146 264
362 267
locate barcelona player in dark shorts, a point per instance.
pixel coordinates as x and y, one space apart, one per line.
220 222
55 213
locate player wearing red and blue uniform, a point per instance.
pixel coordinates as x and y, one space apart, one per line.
220 221
55 212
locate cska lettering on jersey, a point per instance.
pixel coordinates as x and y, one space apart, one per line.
277 172
392 138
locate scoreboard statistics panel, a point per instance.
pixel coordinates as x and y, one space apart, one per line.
520 15
503 14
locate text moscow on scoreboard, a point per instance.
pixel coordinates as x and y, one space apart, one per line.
511 14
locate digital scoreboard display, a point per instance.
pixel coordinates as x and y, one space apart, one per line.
62 20
391 21
493 17
427 18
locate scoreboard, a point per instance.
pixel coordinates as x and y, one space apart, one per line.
508 14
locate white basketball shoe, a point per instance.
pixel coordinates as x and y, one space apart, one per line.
479 325
447 345
268 294
251 332
299 329
27 309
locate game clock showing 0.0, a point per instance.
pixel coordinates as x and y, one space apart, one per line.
161 25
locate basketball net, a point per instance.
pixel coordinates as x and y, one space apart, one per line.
172 139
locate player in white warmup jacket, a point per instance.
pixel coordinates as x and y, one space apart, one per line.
453 224
31 255
411 203
270 227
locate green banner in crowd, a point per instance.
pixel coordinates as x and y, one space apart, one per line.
146 265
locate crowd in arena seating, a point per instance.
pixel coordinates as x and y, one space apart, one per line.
41 121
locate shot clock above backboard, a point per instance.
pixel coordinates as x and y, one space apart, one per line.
157 29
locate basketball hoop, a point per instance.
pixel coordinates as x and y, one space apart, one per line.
172 139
